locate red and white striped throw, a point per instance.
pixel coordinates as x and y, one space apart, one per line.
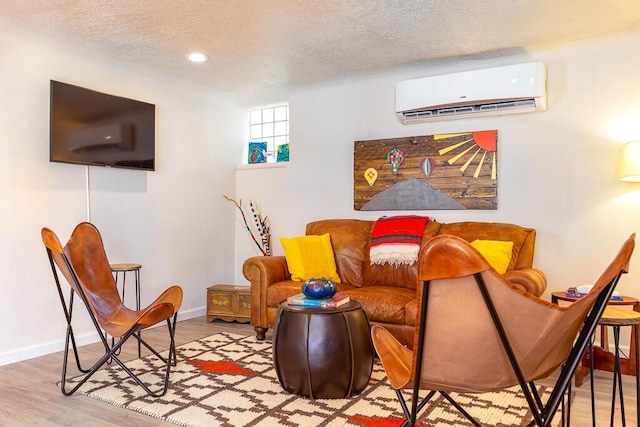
396 239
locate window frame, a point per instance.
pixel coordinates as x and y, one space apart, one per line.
270 124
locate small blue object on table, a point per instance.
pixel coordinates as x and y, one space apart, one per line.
319 288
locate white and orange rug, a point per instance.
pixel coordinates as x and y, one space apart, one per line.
228 380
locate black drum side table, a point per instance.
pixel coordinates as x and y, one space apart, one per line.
323 353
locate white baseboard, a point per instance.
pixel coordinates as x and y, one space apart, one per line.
43 349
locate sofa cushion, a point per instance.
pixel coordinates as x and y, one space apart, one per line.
523 238
310 257
280 291
496 252
384 304
411 312
350 241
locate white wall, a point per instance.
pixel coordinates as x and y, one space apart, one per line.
173 221
557 169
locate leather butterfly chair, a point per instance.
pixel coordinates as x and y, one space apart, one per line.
476 332
84 264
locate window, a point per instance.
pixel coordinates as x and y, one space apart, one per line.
271 126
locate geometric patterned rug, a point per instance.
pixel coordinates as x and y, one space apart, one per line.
228 380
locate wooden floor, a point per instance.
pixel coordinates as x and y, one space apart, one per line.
29 395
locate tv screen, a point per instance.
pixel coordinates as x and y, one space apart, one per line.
94 128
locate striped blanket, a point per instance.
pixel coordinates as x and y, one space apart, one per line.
396 239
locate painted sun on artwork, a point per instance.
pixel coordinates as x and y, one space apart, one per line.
481 142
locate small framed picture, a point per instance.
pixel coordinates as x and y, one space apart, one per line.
283 153
257 152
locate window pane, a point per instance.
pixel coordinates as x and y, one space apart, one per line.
267 115
256 117
280 128
271 151
270 144
280 113
267 129
280 140
256 131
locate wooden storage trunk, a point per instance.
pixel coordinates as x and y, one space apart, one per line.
229 303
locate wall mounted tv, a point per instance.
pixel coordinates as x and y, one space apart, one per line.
97 129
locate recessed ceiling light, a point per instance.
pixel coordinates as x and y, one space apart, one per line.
197 57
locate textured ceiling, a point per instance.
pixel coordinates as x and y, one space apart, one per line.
265 43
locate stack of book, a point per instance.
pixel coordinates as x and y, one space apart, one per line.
581 291
304 301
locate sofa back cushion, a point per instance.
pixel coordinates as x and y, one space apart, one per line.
350 240
523 238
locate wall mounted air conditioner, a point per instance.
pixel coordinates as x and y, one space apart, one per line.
488 92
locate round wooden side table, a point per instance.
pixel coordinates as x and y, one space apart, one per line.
124 268
615 318
604 359
323 353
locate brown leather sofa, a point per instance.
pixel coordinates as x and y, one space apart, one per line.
387 292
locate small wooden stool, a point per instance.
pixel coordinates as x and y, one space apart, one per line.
617 317
123 268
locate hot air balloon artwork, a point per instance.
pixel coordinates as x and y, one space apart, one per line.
371 175
395 158
426 165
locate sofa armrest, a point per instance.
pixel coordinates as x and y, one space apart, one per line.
262 272
530 279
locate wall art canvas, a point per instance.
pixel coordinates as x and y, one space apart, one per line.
444 171
257 152
283 153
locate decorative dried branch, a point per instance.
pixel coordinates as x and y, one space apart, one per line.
261 226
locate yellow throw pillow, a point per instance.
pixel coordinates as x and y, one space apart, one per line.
496 252
310 257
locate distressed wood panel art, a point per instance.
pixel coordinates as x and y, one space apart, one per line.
445 171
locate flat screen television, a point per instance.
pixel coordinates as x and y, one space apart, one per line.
97 129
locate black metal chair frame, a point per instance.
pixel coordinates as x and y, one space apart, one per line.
543 414
111 352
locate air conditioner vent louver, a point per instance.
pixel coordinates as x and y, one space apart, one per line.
510 89
522 105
